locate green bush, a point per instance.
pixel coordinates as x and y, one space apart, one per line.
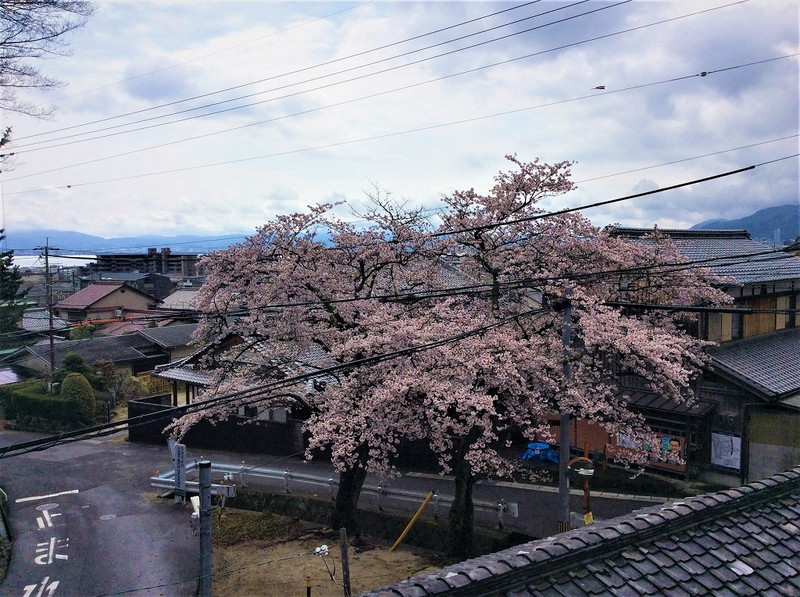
78 393
31 408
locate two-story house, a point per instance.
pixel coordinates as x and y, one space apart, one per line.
746 422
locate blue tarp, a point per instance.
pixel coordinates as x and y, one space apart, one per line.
540 452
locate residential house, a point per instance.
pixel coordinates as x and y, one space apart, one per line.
276 428
180 300
746 421
156 285
131 352
104 300
39 320
740 541
175 340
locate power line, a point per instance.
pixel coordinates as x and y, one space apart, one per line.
371 96
297 71
343 71
173 66
254 394
682 160
596 204
353 100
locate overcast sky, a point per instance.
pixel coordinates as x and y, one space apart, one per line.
212 117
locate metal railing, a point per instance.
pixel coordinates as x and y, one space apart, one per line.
239 474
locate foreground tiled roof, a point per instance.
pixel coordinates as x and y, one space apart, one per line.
768 364
743 541
735 255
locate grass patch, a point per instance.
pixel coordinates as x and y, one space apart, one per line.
231 527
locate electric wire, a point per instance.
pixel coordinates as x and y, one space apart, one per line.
293 72
248 395
373 95
378 94
320 77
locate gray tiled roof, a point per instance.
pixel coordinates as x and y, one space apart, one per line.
743 541
180 299
657 402
182 372
171 336
727 248
117 349
38 320
769 364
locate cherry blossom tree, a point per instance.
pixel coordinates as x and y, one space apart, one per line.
305 284
472 365
465 397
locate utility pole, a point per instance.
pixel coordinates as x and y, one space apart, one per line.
49 299
563 436
205 528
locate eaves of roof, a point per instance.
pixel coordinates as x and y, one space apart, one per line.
728 253
767 365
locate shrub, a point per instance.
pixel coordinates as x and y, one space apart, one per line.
73 363
77 391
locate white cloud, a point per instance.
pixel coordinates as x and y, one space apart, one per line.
236 174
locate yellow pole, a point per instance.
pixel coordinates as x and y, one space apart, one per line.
413 520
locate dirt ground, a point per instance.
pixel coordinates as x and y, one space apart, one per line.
258 554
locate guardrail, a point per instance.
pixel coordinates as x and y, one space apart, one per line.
231 474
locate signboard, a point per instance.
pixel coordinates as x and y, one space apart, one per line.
726 450
179 459
666 451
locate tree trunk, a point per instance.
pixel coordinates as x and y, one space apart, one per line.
462 512
345 509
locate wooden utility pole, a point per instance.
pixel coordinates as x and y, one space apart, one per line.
205 528
49 300
563 439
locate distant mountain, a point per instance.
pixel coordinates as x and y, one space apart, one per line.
76 242
762 224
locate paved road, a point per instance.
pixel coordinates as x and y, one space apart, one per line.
86 522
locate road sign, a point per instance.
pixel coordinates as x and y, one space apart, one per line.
180 471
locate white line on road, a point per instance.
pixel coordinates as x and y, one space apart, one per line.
33 498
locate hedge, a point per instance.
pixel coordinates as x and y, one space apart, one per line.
26 402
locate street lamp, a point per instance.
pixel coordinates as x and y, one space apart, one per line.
580 469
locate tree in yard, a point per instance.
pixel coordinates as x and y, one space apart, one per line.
303 285
31 30
505 372
11 291
77 390
73 363
120 385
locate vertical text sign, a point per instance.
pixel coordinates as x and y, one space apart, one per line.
180 471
